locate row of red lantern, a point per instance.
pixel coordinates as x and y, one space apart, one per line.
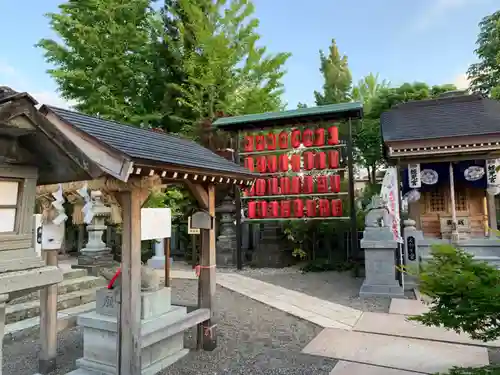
294 208
282 163
294 185
309 138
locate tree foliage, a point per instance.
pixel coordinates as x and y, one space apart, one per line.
484 75
465 293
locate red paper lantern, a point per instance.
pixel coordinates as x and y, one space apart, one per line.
319 137
260 142
248 143
335 183
311 208
260 188
295 189
295 138
333 159
271 141
272 163
295 162
283 140
272 186
308 138
336 207
333 135
249 164
283 163
322 184
274 209
307 185
285 208
320 158
261 164
252 209
324 207
298 208
262 209
251 191
285 185
308 161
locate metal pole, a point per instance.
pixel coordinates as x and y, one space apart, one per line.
352 206
237 200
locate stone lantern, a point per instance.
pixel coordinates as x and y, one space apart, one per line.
226 242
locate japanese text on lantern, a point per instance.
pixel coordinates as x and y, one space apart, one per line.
287 187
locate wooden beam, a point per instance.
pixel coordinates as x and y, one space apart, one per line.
199 193
48 320
130 308
207 335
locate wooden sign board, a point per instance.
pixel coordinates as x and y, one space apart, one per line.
192 230
52 236
156 223
202 220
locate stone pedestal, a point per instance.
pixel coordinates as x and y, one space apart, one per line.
271 249
96 254
158 260
412 238
380 268
161 345
226 242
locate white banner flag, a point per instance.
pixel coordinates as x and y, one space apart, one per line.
414 181
389 192
491 172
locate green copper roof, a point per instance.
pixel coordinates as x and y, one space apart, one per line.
326 112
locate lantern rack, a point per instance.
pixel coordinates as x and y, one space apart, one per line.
287 150
313 195
303 172
306 219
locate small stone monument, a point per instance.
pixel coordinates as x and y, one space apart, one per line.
226 242
162 342
96 254
380 254
412 238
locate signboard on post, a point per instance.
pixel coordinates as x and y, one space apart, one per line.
156 223
192 230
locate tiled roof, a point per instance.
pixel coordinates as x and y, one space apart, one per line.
454 116
149 145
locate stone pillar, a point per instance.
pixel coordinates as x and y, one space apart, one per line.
3 300
96 254
158 260
380 254
226 242
412 238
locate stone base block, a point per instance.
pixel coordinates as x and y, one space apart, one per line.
271 255
225 259
393 291
158 262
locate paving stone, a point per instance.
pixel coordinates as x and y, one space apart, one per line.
352 368
395 352
399 325
407 307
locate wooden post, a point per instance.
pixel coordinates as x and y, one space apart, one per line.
130 292
48 320
166 250
454 225
207 336
492 214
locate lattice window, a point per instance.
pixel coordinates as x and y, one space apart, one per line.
461 201
437 201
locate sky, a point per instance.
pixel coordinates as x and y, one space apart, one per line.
429 41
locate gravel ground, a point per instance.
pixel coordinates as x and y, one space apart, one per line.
337 287
253 339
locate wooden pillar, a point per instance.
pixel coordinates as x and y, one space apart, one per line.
48 320
454 230
166 250
129 352
207 335
492 214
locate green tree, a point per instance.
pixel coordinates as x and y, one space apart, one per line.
105 59
337 77
484 75
228 71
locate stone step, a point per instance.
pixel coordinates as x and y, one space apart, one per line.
399 353
66 286
66 318
73 273
399 325
30 309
